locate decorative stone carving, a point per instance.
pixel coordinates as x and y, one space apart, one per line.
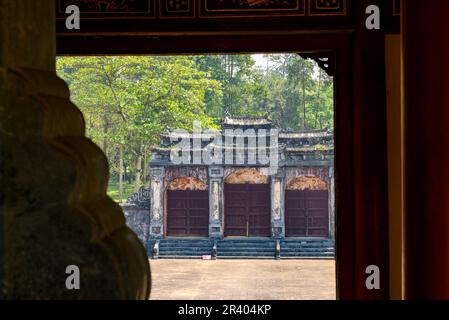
58 215
307 183
246 176
141 199
157 175
276 202
215 197
186 183
321 172
157 200
171 173
216 202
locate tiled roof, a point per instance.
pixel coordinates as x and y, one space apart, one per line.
245 121
305 134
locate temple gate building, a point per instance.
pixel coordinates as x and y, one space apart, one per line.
265 185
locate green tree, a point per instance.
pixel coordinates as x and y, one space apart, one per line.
129 101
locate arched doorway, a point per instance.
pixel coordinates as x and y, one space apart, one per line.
247 204
307 208
187 208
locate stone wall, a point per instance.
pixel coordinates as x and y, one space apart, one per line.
173 172
318 172
138 220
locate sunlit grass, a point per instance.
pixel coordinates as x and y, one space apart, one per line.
113 191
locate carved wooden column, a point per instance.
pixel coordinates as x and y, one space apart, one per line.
426 111
54 208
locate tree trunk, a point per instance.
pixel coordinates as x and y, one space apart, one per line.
137 181
105 137
318 98
120 175
304 95
145 167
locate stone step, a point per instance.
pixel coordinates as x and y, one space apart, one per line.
252 251
185 250
308 240
168 242
246 253
245 240
185 247
246 257
246 244
307 254
307 250
178 257
196 244
307 244
184 253
308 258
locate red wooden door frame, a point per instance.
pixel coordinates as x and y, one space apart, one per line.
360 127
293 212
252 228
190 213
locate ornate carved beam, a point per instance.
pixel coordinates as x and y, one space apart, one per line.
325 60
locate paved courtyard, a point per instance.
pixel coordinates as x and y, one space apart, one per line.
243 279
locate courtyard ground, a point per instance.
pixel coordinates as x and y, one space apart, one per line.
243 279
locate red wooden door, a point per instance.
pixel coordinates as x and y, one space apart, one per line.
247 210
187 213
306 213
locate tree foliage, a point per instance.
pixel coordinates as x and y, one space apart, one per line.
129 101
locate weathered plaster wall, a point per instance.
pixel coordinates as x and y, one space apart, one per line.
307 183
173 172
245 176
186 183
318 172
139 221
